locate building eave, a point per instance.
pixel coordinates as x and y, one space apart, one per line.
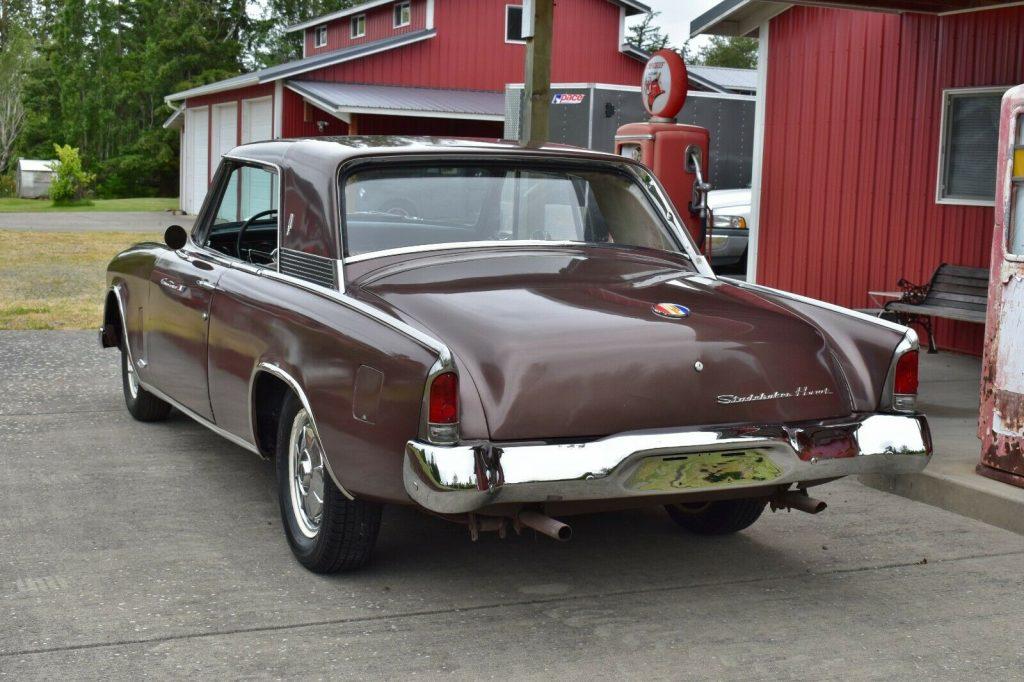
743 17
340 14
736 17
340 101
635 52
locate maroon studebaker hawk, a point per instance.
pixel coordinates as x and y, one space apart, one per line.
499 335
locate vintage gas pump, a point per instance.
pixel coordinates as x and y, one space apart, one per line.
678 154
1001 426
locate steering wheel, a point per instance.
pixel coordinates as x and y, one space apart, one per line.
245 226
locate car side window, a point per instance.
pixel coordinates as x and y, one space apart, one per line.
245 223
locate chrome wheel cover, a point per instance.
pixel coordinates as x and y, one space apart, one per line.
306 475
133 379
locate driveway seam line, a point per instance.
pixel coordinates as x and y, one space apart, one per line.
484 607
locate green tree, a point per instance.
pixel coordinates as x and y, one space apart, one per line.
101 73
270 44
15 50
738 53
71 182
647 34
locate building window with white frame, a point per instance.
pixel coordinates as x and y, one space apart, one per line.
514 24
403 14
320 36
358 26
968 146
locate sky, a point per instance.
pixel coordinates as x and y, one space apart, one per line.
676 16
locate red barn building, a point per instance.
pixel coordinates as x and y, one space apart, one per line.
875 146
434 67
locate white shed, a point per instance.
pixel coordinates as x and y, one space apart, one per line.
33 177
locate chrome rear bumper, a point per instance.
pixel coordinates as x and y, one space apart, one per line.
469 477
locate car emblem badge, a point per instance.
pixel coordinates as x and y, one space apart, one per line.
672 311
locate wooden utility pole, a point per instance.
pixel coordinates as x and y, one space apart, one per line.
537 92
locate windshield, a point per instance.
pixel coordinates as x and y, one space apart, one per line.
393 208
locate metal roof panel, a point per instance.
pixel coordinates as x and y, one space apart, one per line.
352 97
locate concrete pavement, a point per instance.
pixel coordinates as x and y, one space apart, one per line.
949 395
133 550
94 221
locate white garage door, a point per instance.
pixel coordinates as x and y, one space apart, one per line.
257 120
195 157
257 125
225 138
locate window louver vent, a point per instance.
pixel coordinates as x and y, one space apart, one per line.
315 269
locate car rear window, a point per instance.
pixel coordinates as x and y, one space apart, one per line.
390 208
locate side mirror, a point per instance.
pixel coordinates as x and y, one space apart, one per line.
175 237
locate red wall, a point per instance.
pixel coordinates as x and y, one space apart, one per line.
293 114
380 24
851 150
409 125
470 52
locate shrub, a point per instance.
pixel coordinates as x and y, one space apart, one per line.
71 183
7 185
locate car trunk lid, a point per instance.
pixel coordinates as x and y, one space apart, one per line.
565 342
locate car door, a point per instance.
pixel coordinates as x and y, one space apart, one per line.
182 286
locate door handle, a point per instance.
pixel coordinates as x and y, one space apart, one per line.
206 284
169 283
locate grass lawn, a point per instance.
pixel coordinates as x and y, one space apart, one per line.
36 205
56 280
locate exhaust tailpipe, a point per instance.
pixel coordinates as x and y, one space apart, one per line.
544 524
798 499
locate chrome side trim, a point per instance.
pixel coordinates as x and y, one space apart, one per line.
284 376
241 442
820 304
673 220
428 341
493 244
470 477
163 396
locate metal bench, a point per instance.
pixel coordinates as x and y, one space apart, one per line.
955 292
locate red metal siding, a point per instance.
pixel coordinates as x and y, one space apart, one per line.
293 113
851 149
470 52
408 125
380 23
252 92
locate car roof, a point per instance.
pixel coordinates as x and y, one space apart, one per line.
330 151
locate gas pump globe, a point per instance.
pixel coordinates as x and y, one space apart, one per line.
677 153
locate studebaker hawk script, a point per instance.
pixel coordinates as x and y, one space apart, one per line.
478 330
802 392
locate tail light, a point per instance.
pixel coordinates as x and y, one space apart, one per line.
904 385
443 409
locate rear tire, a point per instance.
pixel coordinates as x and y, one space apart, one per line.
141 404
721 517
326 531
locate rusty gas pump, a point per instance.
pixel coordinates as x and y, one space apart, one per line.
1001 424
677 153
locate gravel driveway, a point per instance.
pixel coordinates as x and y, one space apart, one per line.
94 221
132 550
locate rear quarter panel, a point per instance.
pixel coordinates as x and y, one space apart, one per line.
864 349
322 344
